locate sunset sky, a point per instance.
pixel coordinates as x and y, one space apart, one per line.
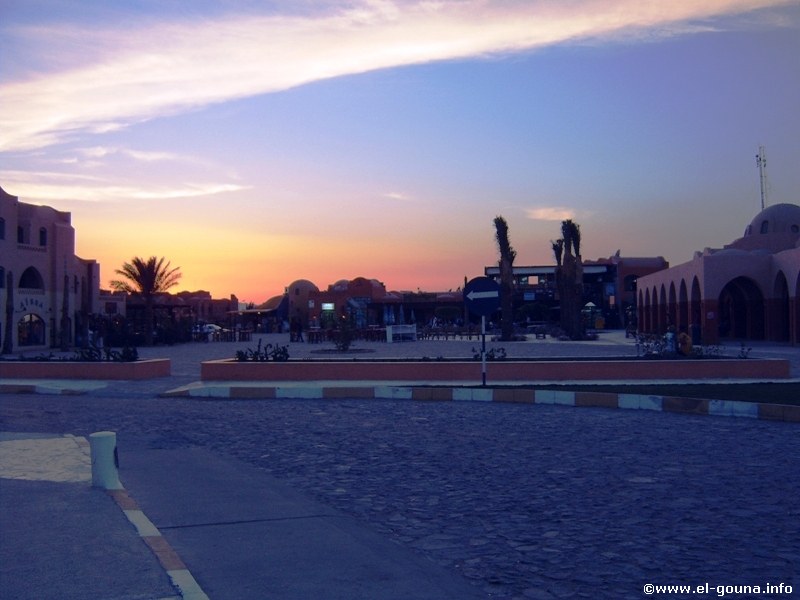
254 143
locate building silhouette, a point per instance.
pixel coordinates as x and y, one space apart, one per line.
609 286
747 290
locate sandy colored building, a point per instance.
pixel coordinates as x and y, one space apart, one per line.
47 293
747 290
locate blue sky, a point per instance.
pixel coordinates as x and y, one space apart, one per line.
257 143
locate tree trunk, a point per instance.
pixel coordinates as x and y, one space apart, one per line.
506 301
65 325
506 264
570 289
7 343
149 313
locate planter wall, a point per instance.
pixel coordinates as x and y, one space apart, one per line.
362 370
140 369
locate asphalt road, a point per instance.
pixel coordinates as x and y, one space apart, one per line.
524 501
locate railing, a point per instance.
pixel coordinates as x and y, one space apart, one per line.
32 248
449 333
395 333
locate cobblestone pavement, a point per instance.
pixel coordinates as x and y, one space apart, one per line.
526 501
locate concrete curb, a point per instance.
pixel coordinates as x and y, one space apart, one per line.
169 560
672 404
38 388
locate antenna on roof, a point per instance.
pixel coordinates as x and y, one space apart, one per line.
761 161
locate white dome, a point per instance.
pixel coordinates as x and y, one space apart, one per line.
778 218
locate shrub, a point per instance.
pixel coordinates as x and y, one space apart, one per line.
344 335
276 353
491 354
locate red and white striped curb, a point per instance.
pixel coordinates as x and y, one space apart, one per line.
673 404
177 571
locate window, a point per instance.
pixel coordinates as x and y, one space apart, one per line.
2 278
42 236
2 228
31 279
764 226
24 233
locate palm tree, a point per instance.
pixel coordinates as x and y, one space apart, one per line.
569 278
506 263
146 278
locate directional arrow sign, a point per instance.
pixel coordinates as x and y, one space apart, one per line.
482 296
479 295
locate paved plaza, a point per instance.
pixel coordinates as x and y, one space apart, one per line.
518 501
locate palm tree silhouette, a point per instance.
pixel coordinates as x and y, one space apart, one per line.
146 278
569 278
506 264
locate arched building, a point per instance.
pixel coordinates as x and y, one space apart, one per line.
747 290
47 293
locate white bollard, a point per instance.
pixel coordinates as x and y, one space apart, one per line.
105 462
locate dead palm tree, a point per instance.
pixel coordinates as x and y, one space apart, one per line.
569 277
146 278
506 264
558 250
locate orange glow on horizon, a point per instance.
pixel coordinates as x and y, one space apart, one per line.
256 267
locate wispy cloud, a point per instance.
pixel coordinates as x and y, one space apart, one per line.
111 78
549 213
396 196
51 186
140 155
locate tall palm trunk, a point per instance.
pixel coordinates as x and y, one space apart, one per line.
506 264
7 344
149 320
569 278
65 323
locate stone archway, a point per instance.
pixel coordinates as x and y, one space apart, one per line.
797 311
696 311
779 310
741 310
653 311
683 308
672 307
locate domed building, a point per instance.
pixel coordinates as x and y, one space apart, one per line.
299 293
747 290
775 228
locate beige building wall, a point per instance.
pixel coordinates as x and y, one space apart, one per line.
47 293
747 290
